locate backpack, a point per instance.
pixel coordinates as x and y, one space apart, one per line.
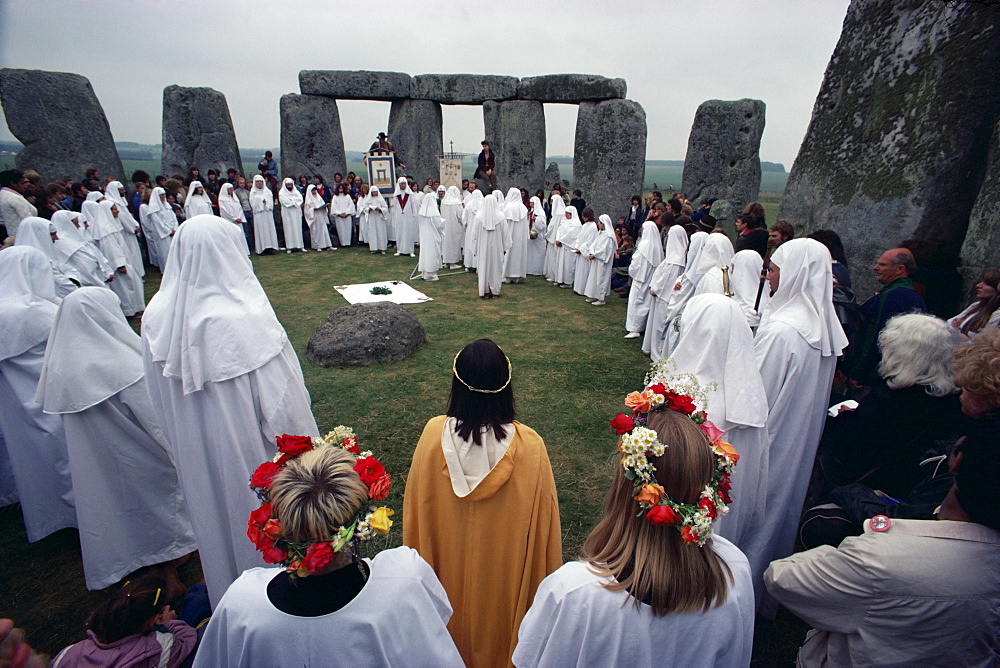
849 313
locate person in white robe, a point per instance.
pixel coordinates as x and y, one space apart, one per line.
716 347
231 210
224 381
36 233
376 216
431 227
588 232
404 217
743 280
797 345
600 255
314 210
472 205
197 201
716 251
129 506
491 240
661 287
36 442
537 244
516 215
262 204
8 486
116 192
290 200
91 267
569 231
107 233
454 231
645 259
557 213
342 212
162 224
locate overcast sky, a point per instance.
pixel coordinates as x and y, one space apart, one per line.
674 54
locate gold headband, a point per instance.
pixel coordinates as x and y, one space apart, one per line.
454 370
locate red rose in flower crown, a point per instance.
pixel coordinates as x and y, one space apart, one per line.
294 445
317 556
264 475
379 489
370 470
351 445
274 555
662 516
707 504
622 424
681 403
689 534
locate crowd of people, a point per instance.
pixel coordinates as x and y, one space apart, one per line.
771 391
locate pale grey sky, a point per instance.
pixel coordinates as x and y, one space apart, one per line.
674 54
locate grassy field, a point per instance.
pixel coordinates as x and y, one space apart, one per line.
572 369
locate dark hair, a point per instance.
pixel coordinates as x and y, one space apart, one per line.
784 228
832 241
128 609
338 174
636 199
986 307
675 205
977 474
76 188
9 177
91 172
484 366
756 209
587 214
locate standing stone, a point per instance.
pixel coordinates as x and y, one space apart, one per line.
516 130
723 153
355 85
981 249
609 157
897 145
416 135
197 132
552 176
57 117
463 88
572 88
311 139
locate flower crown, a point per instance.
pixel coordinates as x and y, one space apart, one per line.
639 443
307 557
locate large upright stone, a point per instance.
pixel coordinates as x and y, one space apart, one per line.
571 88
552 176
57 117
897 145
723 153
609 157
355 85
516 129
312 141
981 249
463 88
416 135
197 132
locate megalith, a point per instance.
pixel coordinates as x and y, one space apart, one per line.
312 141
516 129
723 153
355 84
365 334
552 176
463 88
416 135
197 132
571 88
898 141
981 249
609 156
58 118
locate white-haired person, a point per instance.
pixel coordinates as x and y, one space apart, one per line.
915 404
324 605
654 585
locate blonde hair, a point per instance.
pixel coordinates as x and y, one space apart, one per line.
917 349
316 493
652 563
977 366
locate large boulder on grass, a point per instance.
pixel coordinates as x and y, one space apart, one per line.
365 334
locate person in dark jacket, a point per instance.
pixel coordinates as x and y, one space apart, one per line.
486 168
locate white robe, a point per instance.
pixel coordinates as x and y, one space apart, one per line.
661 286
127 286
576 621
603 249
431 227
342 210
375 214
566 236
516 260
557 214
645 260
472 205
398 619
490 239
404 220
161 222
8 486
291 223
454 231
588 232
147 233
264 233
537 246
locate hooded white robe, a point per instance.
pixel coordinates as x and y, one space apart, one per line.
161 223
603 248
36 442
588 232
537 223
431 227
109 237
716 347
291 215
797 345
35 232
128 503
516 215
197 204
72 249
314 209
569 231
557 213
224 381
231 210
265 235
342 210
744 283
472 205
404 217
375 214
490 239
115 192
646 258
454 231
661 287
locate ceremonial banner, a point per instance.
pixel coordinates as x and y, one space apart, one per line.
451 172
381 171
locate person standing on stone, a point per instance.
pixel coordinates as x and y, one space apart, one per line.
516 215
13 206
486 166
224 381
342 212
454 231
262 204
314 210
375 220
646 258
431 229
291 216
537 245
600 255
490 241
404 218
